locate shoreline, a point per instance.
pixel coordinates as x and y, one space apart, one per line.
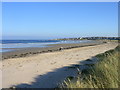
25 52
47 70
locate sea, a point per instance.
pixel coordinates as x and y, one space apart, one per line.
11 45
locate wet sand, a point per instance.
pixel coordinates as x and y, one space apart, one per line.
47 70
23 52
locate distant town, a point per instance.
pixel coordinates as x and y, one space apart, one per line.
91 38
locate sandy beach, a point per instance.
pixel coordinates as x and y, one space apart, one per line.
47 70
24 52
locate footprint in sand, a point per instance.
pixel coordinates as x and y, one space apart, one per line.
53 63
20 66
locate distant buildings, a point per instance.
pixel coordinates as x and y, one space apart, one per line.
102 38
91 38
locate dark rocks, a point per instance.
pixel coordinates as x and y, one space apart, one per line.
61 48
34 51
50 50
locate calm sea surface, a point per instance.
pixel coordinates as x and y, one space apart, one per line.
9 45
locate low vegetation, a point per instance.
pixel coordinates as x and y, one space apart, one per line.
103 74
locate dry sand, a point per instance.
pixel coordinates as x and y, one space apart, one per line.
47 70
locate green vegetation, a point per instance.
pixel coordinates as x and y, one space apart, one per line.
103 74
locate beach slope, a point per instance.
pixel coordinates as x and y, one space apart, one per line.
47 70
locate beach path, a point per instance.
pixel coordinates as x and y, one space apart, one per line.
47 70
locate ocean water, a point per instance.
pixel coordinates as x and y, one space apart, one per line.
10 45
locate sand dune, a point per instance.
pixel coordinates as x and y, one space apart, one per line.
47 70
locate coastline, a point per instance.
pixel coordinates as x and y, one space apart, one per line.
24 52
46 70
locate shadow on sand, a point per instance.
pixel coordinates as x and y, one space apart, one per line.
54 78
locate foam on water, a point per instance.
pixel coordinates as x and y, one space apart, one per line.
6 50
7 46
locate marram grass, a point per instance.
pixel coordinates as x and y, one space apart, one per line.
104 74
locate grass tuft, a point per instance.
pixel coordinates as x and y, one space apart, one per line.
103 74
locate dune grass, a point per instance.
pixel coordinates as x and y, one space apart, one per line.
104 74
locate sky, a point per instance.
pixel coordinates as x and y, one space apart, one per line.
60 0
48 20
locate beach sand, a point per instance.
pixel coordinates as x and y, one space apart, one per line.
23 52
47 70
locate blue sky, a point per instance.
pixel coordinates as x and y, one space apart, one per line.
38 20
